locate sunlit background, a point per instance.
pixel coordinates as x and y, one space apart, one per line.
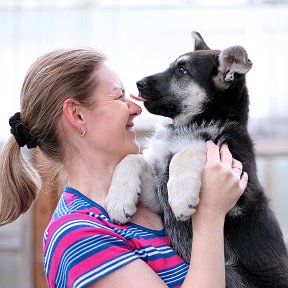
142 37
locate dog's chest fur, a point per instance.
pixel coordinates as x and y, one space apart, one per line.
170 139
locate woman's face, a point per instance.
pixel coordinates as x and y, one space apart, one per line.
110 119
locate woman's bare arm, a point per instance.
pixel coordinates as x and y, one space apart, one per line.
222 186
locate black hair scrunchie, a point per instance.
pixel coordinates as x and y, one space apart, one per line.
21 132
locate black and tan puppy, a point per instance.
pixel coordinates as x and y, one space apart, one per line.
204 93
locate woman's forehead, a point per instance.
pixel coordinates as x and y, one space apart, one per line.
109 76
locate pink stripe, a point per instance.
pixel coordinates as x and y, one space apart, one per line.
94 261
82 215
54 225
69 198
71 238
165 263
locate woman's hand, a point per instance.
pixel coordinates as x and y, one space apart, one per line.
222 182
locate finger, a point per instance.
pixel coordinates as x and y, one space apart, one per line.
226 156
243 181
212 153
237 167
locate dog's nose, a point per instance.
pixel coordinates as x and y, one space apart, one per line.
141 84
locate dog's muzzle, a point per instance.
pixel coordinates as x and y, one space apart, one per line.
141 84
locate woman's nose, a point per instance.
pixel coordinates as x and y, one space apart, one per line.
134 108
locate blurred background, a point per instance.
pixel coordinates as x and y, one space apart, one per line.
142 37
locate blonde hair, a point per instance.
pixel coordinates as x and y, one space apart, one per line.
53 78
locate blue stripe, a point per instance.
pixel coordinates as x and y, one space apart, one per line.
85 199
81 250
154 253
61 208
174 275
134 231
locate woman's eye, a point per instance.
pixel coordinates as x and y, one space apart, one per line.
122 98
182 71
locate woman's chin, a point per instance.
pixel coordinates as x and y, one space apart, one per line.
135 149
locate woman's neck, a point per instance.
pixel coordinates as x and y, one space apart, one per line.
91 177
147 218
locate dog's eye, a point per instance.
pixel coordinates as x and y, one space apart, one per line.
182 71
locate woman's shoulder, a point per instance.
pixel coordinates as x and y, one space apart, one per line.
77 218
83 241
76 213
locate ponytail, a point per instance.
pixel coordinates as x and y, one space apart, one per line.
52 78
20 182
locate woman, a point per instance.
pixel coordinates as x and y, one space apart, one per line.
73 108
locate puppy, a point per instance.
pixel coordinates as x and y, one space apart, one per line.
204 93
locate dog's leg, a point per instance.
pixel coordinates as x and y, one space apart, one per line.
125 188
184 183
233 271
233 279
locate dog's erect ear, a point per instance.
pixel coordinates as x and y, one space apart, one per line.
234 60
199 43
231 60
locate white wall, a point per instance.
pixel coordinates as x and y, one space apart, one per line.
143 39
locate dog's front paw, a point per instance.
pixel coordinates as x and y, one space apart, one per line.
185 181
183 198
125 188
121 209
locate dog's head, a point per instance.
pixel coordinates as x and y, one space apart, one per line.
196 82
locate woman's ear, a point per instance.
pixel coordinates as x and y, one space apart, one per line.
72 111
